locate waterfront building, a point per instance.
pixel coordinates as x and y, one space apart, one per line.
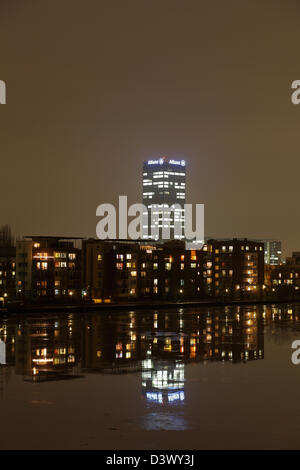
7 265
140 270
7 273
233 267
180 273
119 269
63 269
286 277
48 267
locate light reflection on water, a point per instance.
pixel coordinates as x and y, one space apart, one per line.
157 343
165 351
163 389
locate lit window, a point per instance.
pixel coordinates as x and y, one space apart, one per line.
60 255
60 264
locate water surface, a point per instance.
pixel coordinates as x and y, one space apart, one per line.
160 379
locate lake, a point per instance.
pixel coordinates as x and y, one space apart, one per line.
192 378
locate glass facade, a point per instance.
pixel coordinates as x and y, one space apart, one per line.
163 187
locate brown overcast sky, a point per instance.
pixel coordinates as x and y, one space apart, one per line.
95 87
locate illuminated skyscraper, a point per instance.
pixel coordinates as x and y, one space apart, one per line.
164 186
272 251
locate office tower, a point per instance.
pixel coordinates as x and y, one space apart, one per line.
272 251
163 186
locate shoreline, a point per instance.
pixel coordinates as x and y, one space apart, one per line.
139 305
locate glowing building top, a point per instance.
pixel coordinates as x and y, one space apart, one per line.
163 186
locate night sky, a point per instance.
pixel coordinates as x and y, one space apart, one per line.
95 87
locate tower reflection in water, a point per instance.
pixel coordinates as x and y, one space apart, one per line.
157 347
225 335
163 382
163 389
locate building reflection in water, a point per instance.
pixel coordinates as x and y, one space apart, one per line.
44 348
156 344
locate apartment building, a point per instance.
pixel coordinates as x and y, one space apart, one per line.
48 268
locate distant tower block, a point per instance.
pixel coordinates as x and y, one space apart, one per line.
164 185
